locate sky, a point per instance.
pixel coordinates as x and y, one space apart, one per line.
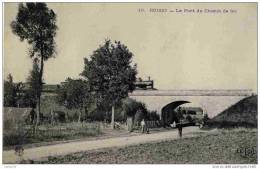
178 50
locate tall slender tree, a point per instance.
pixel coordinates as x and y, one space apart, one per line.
110 73
36 24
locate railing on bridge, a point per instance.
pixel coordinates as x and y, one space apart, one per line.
232 92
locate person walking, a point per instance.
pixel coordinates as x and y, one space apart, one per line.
143 126
147 128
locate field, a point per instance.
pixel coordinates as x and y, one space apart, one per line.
236 146
48 133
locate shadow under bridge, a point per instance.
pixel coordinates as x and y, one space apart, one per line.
169 115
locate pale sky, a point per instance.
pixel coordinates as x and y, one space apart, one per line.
178 50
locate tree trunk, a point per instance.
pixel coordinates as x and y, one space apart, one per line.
113 117
52 117
37 115
39 94
79 116
130 120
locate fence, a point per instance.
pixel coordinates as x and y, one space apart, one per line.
153 124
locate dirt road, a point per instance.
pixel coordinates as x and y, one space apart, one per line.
37 153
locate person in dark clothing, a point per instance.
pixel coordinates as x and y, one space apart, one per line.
179 126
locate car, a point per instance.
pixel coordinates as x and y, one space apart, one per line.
192 116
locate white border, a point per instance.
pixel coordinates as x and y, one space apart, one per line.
79 166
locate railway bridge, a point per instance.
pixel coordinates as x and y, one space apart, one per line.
212 102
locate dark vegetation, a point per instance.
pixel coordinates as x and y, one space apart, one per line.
242 114
13 95
127 107
74 94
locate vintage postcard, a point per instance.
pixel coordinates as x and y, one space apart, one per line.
130 83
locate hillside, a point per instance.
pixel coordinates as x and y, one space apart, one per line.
242 114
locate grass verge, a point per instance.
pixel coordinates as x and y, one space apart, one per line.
50 133
235 146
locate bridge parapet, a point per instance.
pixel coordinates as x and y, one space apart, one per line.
233 92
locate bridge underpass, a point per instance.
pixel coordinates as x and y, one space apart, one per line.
212 102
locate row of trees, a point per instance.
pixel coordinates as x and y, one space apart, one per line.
108 74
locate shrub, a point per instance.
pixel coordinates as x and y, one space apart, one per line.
131 106
97 115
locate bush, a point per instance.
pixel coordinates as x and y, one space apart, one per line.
120 114
136 110
96 115
131 106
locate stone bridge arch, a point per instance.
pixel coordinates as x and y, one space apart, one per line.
212 102
169 113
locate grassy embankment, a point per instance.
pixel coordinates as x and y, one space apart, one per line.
241 114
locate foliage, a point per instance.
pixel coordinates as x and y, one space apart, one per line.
120 114
101 114
12 92
49 104
131 106
36 23
15 94
33 80
33 92
98 115
26 99
110 73
74 94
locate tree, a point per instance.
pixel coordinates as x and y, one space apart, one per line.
9 92
36 23
110 73
74 94
12 92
